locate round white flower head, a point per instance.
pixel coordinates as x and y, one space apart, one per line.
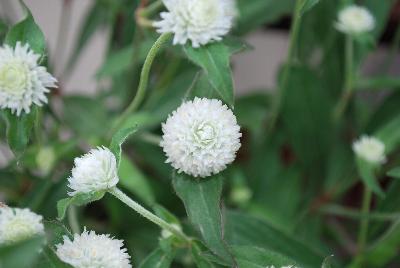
90 250
370 149
22 81
94 171
201 22
355 20
201 137
18 224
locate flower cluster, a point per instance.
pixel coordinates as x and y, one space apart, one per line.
93 250
22 81
201 137
370 149
18 224
355 20
94 171
201 22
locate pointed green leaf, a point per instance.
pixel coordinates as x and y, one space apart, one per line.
214 59
27 31
158 259
18 129
202 198
118 139
255 257
79 199
307 5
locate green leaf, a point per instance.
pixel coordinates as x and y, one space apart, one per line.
394 173
307 5
255 257
55 231
202 198
49 259
135 181
243 230
158 259
86 116
214 59
18 129
200 260
27 31
367 173
21 254
79 199
118 139
389 134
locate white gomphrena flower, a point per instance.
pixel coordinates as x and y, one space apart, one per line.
91 250
201 137
23 82
17 224
355 20
201 22
370 149
94 171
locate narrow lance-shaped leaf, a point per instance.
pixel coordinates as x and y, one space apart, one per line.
158 259
118 139
202 202
79 199
214 59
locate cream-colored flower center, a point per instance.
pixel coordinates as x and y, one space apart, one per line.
14 77
18 230
204 133
206 11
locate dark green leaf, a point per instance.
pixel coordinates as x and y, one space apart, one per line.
255 257
19 129
307 5
201 260
214 59
202 198
22 254
79 199
158 259
367 173
118 139
27 31
389 134
244 230
116 63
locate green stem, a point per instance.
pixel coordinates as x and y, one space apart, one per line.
294 33
73 220
349 79
363 233
144 79
147 214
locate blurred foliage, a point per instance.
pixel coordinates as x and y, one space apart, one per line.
273 205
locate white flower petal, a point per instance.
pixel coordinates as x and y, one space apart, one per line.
201 22
22 81
92 250
201 137
17 224
355 20
370 149
94 171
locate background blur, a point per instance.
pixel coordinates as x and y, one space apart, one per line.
254 70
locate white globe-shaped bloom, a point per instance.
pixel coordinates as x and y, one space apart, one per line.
370 149
94 171
22 81
18 224
201 137
201 22
355 20
90 250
